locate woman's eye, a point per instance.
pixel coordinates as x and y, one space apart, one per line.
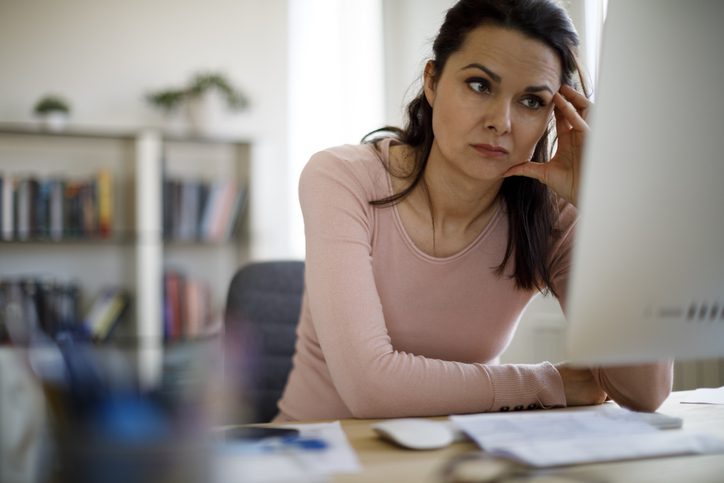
533 102
478 84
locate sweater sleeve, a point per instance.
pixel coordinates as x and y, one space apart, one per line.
642 387
373 379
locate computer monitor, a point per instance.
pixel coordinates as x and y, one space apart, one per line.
648 267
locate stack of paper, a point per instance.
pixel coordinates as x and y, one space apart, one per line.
550 438
705 395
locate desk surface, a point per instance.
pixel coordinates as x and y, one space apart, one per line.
383 462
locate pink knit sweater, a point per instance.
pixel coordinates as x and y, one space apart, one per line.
389 331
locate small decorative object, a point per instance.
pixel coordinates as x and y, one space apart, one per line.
169 101
53 111
209 93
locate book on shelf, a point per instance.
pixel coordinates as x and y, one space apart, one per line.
187 306
54 308
56 208
107 310
105 202
8 208
203 211
38 304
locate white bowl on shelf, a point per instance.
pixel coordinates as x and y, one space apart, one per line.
54 121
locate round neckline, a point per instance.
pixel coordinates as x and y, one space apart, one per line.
401 226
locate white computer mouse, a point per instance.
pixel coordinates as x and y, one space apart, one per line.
416 433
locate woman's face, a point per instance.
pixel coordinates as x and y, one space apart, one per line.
493 101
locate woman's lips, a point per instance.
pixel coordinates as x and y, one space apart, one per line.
490 151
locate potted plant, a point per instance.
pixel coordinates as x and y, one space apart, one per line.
169 102
210 95
53 111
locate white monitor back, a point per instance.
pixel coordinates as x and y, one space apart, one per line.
648 266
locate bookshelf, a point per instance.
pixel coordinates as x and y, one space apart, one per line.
135 251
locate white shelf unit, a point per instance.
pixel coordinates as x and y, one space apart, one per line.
210 161
135 254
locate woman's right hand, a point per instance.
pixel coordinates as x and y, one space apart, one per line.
580 387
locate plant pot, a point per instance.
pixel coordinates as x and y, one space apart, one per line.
175 123
207 113
54 121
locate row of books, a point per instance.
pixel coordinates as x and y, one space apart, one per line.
31 306
201 210
187 311
56 208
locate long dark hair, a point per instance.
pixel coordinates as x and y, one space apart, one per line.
531 206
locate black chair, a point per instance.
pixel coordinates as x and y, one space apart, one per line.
262 311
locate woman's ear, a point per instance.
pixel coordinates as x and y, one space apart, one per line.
430 82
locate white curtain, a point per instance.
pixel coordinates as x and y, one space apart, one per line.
336 82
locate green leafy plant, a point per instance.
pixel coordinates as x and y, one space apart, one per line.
167 100
205 81
51 103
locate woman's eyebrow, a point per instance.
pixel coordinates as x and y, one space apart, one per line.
539 88
496 78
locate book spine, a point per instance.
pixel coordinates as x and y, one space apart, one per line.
105 202
232 227
42 209
8 225
56 210
23 210
222 212
212 203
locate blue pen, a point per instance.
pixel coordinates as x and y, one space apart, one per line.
310 444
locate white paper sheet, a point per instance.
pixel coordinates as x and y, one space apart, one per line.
553 438
339 457
705 396
270 463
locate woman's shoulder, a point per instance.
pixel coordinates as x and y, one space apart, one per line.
358 156
360 164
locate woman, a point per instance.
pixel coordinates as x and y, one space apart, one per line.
423 248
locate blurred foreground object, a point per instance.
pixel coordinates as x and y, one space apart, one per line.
103 427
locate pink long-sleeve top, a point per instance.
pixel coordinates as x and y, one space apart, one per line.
387 330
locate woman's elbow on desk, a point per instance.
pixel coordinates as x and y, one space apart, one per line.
641 387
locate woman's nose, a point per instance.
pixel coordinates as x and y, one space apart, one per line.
497 118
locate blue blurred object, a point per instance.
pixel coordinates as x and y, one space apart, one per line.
104 427
129 418
309 444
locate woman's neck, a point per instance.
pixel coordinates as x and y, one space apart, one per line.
457 201
454 207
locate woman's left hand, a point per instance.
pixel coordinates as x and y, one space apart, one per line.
562 173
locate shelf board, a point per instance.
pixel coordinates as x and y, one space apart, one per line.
174 243
33 129
88 241
86 132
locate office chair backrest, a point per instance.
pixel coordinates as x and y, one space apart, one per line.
262 311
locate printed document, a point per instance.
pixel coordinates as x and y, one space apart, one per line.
705 395
593 434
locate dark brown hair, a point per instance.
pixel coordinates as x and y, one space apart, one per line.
531 206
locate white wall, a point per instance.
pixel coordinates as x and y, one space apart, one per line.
104 56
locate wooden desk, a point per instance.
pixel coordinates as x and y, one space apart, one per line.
383 462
